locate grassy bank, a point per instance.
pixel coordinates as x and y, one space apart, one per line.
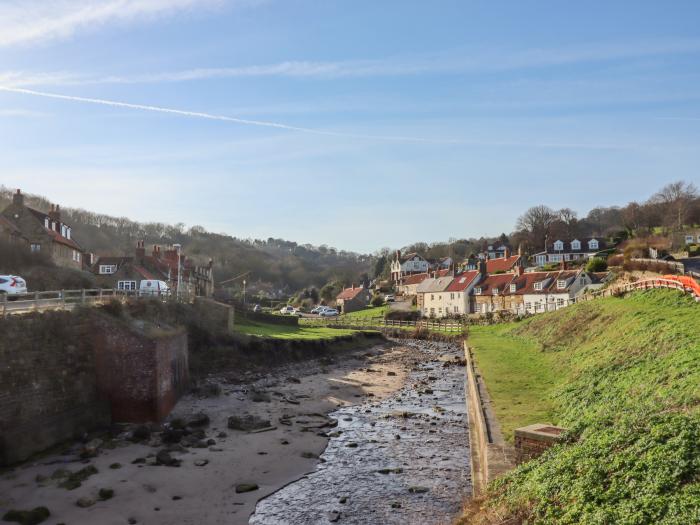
367 313
300 332
624 376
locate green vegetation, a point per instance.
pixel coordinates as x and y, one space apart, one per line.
596 264
367 313
623 375
276 331
516 373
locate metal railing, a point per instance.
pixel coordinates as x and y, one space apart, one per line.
69 299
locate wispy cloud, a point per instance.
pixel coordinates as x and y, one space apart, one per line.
20 113
313 131
31 21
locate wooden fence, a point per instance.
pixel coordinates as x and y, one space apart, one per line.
69 299
374 323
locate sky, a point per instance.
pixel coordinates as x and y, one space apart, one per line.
358 124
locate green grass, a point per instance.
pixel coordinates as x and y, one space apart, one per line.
367 313
276 331
623 375
517 374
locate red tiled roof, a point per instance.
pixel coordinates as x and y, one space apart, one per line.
55 236
462 281
503 264
349 293
144 273
499 281
416 278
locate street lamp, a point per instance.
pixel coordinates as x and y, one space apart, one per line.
179 273
243 292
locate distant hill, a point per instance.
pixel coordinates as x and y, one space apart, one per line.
275 264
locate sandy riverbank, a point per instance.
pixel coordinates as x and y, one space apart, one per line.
293 399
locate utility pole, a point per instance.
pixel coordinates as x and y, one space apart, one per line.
244 293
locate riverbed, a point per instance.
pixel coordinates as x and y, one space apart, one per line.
404 459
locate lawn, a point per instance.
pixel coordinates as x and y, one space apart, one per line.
367 313
519 377
276 331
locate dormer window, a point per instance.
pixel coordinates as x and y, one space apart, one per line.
477 290
63 230
538 286
513 287
576 245
495 291
68 233
46 223
558 246
592 244
561 284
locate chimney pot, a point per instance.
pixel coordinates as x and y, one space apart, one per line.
18 198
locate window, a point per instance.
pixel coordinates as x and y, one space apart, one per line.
561 284
592 244
440 310
68 233
689 239
560 302
528 306
432 311
432 297
558 246
576 245
477 290
76 256
46 223
495 291
35 248
63 230
456 309
538 286
452 296
513 287
106 269
126 285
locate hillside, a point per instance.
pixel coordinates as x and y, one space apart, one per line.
275 264
624 376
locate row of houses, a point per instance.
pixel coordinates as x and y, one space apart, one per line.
48 234
481 292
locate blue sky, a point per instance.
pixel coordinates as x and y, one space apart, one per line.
356 124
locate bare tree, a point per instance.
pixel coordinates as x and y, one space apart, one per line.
537 221
677 198
569 220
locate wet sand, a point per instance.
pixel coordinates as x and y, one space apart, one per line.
294 399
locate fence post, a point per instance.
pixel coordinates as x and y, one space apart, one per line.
36 300
3 300
82 296
63 299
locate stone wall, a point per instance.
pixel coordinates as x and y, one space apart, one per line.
48 385
533 440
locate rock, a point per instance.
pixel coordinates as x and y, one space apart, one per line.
351 445
211 442
390 471
76 479
27 517
105 494
200 419
418 490
91 449
396 505
222 435
139 461
84 503
164 458
141 433
201 462
309 455
172 435
247 422
343 500
293 380
391 373
132 521
176 498
333 516
115 466
260 397
246 487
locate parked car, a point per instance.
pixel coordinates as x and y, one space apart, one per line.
153 287
257 308
287 310
389 298
298 312
318 309
329 312
12 285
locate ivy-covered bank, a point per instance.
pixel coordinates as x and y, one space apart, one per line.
628 387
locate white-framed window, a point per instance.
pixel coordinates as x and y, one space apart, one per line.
46 223
528 306
456 309
76 255
35 248
440 310
495 291
68 233
555 258
576 244
558 246
477 290
592 244
538 286
126 285
561 284
452 295
63 230
432 311
560 302
432 297
513 288
107 269
689 239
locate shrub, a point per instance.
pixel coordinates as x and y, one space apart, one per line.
596 264
377 300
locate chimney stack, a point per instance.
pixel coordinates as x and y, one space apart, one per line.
519 270
482 268
506 252
18 198
140 249
55 213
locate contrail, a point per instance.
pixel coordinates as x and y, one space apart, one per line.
278 125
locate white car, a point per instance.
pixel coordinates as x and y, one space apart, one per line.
389 298
329 312
12 285
287 310
153 287
318 309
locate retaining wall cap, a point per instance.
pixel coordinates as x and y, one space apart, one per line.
540 432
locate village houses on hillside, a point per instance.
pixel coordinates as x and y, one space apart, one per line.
353 299
43 232
565 251
126 272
